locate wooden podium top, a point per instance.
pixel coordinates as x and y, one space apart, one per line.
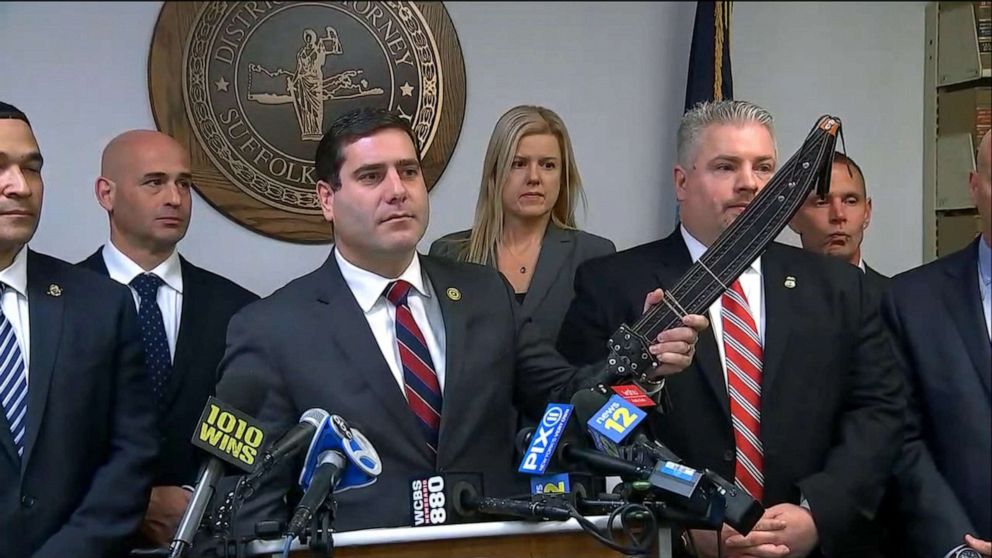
495 539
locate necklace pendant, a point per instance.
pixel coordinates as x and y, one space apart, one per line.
523 269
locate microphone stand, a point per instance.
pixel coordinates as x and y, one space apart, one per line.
321 539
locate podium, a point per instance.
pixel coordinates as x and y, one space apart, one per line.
497 539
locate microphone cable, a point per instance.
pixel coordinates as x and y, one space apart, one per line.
639 547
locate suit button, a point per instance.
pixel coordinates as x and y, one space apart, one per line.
27 501
729 456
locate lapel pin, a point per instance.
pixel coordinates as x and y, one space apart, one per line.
790 282
54 290
454 294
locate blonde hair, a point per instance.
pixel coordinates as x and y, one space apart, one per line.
519 121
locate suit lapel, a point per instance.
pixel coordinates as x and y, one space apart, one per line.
342 318
555 247
780 311
190 335
675 261
964 302
95 262
455 325
45 311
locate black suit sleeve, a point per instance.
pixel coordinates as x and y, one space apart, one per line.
115 503
845 494
543 375
587 325
252 381
935 521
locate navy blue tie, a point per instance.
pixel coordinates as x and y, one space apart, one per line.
158 361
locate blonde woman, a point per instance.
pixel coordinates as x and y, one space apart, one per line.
525 217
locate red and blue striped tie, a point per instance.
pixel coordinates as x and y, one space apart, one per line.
423 392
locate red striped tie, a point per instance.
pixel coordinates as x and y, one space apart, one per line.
423 392
744 356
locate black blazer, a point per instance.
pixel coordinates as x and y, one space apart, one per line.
831 401
209 301
876 283
308 345
82 485
944 474
550 291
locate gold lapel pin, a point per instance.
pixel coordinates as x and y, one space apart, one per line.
54 290
454 294
790 282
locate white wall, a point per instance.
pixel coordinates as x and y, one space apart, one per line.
615 72
862 62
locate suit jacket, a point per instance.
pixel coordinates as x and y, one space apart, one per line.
209 301
550 291
876 283
308 345
831 399
82 485
944 474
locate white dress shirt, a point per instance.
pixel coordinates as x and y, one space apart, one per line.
368 289
170 295
753 289
15 303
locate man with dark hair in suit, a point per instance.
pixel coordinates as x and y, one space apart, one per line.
836 224
183 310
794 394
77 435
426 356
939 316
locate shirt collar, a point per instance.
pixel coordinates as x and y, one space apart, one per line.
984 262
696 250
368 287
16 274
123 269
861 264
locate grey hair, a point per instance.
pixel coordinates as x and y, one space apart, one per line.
704 114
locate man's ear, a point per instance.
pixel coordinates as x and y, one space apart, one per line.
325 195
867 214
105 189
679 177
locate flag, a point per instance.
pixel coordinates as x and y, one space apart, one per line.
709 77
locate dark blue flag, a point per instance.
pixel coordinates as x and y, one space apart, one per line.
709 59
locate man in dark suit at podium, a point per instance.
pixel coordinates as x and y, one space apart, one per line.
939 316
836 225
794 393
145 187
77 428
426 356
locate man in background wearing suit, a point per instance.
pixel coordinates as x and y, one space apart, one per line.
77 425
939 316
145 187
427 356
794 394
836 225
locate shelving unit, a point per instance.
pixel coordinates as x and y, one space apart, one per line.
957 112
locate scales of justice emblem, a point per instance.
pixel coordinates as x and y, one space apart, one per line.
307 89
250 88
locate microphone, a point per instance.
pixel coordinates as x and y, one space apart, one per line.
435 499
741 511
297 436
339 458
466 503
228 435
289 443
